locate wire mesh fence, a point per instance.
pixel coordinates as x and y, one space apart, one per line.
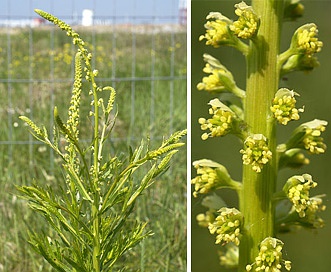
142 56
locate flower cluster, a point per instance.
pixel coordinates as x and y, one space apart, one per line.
220 78
205 181
313 141
297 190
316 205
256 152
308 137
270 257
283 106
227 226
221 122
300 55
305 40
73 120
217 30
212 83
248 22
210 175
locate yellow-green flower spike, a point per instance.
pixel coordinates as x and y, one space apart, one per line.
73 120
270 257
256 152
248 22
221 122
283 106
227 226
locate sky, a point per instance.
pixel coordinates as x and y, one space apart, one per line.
162 10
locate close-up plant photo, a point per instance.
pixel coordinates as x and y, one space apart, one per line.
259 115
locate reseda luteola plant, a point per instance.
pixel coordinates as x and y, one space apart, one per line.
249 233
91 227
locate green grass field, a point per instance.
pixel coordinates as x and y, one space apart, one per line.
36 69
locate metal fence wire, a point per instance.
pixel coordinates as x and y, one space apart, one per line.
142 56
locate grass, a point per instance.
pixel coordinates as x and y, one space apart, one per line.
36 73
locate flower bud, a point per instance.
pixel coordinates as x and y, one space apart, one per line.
293 9
293 158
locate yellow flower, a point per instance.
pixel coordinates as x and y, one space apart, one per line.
283 106
305 40
270 257
217 30
248 22
297 190
256 152
221 122
227 226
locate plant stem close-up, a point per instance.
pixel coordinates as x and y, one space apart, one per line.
253 108
261 85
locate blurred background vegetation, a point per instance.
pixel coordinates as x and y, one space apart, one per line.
308 250
147 67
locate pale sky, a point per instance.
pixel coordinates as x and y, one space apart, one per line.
162 10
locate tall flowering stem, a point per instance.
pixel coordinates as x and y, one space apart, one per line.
90 216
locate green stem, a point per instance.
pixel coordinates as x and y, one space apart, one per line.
95 173
96 198
262 83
